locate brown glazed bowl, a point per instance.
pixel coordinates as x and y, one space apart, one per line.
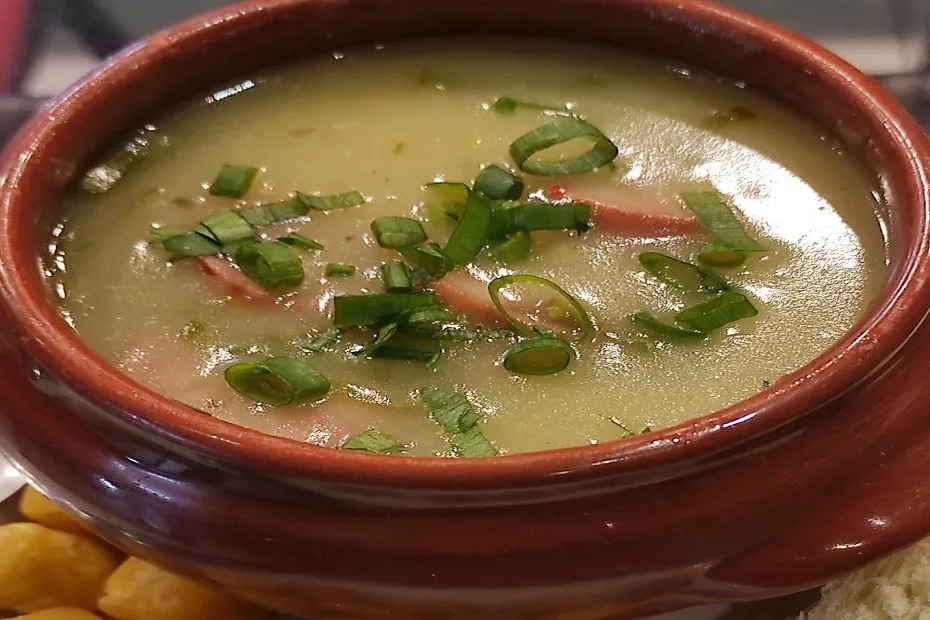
819 474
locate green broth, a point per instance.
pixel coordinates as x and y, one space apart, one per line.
388 120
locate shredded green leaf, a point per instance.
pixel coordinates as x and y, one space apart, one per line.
339 270
319 342
718 217
374 442
233 181
459 420
299 241
717 312
330 203
509 105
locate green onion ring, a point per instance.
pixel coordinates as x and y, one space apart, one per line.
579 314
602 151
277 381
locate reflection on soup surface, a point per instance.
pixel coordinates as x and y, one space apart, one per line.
459 250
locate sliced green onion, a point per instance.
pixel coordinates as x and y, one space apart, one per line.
261 215
459 420
540 216
319 342
718 119
432 314
407 347
717 254
384 334
509 105
718 217
228 227
499 184
429 257
538 356
159 234
440 213
448 191
189 245
299 241
575 309
516 248
471 232
339 270
233 181
331 203
397 232
277 381
374 442
352 310
682 274
105 175
655 326
272 264
602 151
396 277
719 311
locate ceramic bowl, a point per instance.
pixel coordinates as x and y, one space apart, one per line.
815 476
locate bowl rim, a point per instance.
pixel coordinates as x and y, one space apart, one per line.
875 338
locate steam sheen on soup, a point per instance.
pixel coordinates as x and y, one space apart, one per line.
308 252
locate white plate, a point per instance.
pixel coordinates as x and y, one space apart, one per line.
10 479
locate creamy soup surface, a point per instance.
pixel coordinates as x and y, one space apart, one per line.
385 122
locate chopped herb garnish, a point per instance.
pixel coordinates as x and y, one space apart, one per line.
682 274
319 342
523 149
277 381
429 257
577 312
657 327
159 234
448 191
358 310
227 227
539 356
471 232
459 420
331 203
509 105
719 311
718 217
384 334
374 442
717 254
397 232
396 277
399 148
539 216
299 241
189 245
233 181
499 184
105 175
513 249
339 270
274 212
406 347
272 264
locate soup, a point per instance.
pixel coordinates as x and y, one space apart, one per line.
438 249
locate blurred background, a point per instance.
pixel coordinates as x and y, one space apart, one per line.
47 44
